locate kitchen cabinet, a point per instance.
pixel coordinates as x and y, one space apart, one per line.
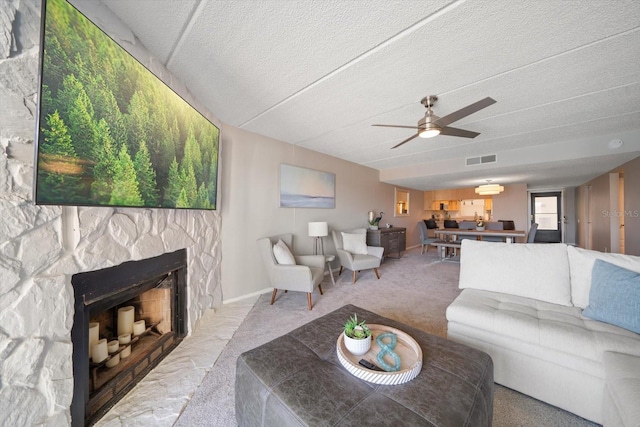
393 240
429 200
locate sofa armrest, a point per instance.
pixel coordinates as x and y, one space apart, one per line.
310 260
376 251
346 259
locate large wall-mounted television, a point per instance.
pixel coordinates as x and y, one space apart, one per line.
109 132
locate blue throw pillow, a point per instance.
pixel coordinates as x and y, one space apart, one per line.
615 296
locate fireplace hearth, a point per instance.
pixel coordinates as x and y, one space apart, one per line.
138 310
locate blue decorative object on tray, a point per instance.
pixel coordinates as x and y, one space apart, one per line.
387 349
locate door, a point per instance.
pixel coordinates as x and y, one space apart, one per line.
546 211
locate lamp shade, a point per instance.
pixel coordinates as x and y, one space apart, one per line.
318 229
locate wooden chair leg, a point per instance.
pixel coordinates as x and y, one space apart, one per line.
340 272
320 289
377 274
354 277
309 299
273 295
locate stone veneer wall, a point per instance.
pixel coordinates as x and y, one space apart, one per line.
41 247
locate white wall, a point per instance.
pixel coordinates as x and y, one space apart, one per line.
250 204
595 211
41 247
512 204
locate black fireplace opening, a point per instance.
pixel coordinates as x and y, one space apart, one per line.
127 319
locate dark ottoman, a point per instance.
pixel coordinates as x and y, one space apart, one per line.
297 380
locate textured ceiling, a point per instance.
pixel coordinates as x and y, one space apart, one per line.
318 73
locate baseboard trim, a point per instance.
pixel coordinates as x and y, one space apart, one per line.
245 296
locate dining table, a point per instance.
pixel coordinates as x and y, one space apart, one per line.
451 234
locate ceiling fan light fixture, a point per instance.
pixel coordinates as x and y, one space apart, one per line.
489 189
429 133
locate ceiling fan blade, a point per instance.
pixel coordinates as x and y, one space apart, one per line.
406 140
464 112
398 126
458 132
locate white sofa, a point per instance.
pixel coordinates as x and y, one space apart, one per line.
523 304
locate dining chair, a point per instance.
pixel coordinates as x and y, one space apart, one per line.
431 224
532 233
450 223
508 224
491 225
425 240
466 225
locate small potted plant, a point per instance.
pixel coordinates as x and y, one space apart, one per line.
373 223
480 225
357 336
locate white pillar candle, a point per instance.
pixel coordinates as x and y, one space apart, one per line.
113 361
138 327
125 340
126 352
94 334
99 351
125 320
113 346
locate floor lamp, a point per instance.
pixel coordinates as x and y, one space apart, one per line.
318 230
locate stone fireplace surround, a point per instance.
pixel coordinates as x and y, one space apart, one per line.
41 247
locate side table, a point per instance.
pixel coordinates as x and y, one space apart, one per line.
329 259
393 240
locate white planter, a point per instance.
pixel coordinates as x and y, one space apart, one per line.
357 347
479 228
373 227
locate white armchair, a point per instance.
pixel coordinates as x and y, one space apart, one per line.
357 261
304 276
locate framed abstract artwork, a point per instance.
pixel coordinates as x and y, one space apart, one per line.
306 188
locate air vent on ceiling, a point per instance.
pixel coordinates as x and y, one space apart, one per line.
481 160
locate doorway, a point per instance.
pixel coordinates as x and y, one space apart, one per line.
546 210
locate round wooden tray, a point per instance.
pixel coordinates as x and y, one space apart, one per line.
406 347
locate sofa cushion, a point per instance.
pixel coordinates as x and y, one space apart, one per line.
283 254
580 266
515 321
614 296
527 270
355 243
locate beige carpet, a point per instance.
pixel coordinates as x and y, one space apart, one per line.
415 290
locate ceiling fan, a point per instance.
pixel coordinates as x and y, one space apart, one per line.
432 125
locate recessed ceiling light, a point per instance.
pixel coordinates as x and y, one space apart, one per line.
614 144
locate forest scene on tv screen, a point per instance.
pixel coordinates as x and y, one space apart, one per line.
110 132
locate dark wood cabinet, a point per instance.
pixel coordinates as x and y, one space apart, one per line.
393 240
